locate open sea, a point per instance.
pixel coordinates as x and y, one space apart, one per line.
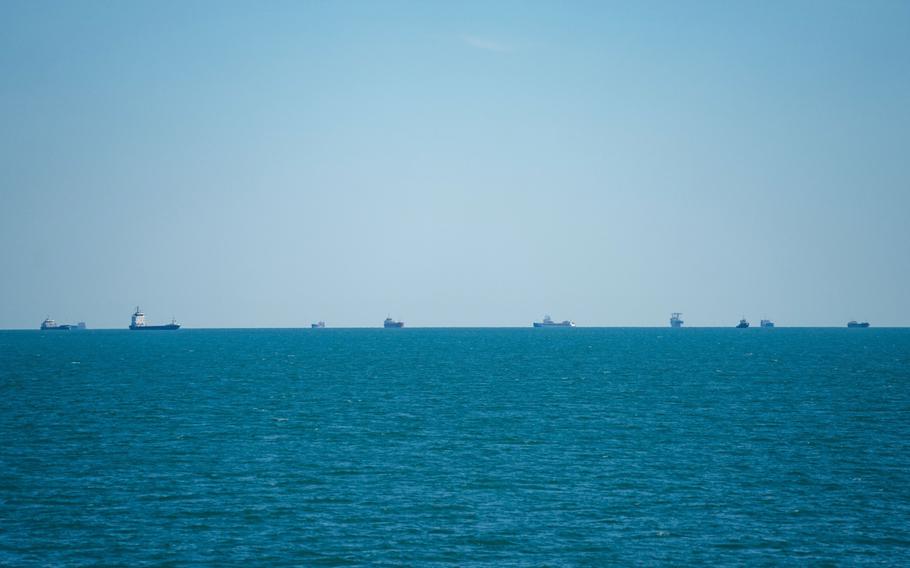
455 447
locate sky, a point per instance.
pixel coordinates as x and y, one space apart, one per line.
271 164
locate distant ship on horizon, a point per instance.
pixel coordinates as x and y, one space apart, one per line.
50 325
548 322
137 323
742 324
389 323
767 323
854 323
318 325
675 321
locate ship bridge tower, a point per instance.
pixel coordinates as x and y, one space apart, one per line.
138 319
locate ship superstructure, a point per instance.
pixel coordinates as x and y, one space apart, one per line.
137 323
767 323
675 320
548 322
742 324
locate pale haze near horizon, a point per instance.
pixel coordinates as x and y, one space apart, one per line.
274 164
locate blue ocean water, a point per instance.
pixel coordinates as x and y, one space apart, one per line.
455 447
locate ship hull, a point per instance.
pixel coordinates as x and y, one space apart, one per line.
864 324
57 328
538 324
396 325
168 327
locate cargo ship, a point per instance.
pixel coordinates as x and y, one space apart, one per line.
390 323
50 325
854 323
675 321
767 323
548 322
318 325
138 323
743 324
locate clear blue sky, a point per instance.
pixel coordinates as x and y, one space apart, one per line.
277 163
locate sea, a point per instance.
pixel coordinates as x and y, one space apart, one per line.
455 447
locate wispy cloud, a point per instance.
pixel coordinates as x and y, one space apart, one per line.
482 43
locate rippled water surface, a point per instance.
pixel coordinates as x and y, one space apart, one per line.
455 447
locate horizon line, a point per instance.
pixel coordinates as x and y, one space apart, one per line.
308 327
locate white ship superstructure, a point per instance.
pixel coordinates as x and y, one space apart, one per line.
138 319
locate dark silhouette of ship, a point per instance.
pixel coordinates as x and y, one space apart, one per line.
743 324
318 325
675 320
854 323
137 323
389 323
